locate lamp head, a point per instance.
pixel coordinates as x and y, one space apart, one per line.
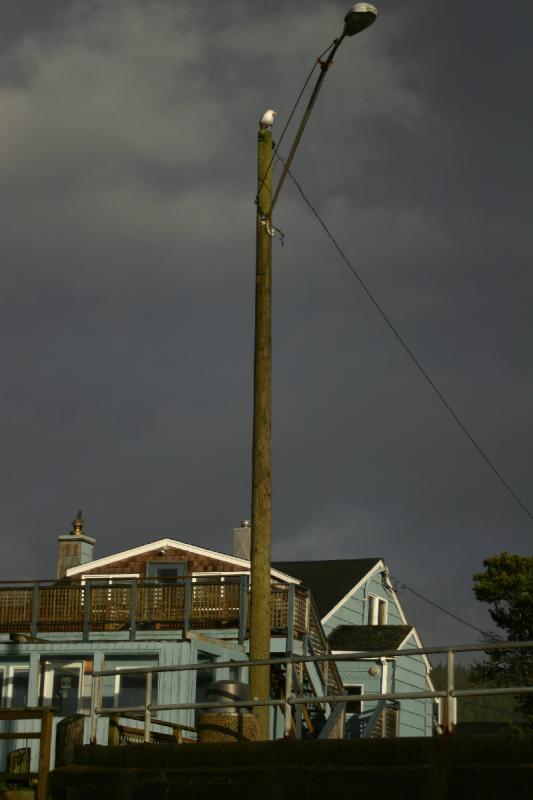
359 17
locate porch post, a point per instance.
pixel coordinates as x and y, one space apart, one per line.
243 607
133 609
86 609
35 610
187 604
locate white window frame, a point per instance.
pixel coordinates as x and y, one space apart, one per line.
375 603
49 668
7 688
125 668
108 578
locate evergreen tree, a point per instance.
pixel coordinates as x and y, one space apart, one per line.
507 585
476 709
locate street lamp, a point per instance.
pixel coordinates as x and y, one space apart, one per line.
361 16
356 20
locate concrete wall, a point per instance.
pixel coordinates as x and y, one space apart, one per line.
443 768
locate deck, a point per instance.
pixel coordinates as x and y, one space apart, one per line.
37 608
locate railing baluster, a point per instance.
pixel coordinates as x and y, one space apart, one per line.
290 619
187 604
35 610
133 609
86 610
243 607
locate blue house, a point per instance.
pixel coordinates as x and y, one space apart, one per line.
168 603
360 611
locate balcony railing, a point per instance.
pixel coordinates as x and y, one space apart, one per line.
38 607
133 605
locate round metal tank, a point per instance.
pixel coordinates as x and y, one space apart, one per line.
224 691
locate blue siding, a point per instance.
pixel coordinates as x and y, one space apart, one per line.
409 673
354 610
173 687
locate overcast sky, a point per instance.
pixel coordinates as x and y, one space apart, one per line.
127 180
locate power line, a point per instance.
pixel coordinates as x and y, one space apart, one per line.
293 111
401 585
409 352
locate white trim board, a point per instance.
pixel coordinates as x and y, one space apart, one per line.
159 544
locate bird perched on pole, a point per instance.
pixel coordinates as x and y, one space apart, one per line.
267 120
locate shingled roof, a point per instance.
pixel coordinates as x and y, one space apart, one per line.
329 581
368 637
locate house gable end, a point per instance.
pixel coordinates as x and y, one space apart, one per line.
331 581
350 608
198 559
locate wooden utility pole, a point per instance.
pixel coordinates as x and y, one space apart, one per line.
262 439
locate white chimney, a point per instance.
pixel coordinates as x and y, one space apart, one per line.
242 540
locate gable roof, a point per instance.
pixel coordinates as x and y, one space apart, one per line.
330 581
159 543
368 637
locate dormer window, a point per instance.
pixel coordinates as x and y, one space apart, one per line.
377 610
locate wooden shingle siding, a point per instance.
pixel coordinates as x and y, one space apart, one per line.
137 564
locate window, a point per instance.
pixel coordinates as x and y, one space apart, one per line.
14 686
127 690
166 570
19 688
377 610
132 689
102 585
204 677
65 691
61 686
354 706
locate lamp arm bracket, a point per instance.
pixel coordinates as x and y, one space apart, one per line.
267 222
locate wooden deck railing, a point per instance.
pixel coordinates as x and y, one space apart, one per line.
38 607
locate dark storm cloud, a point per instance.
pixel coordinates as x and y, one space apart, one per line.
127 162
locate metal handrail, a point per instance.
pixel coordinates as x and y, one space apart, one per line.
450 693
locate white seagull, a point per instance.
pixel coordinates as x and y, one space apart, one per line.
267 120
